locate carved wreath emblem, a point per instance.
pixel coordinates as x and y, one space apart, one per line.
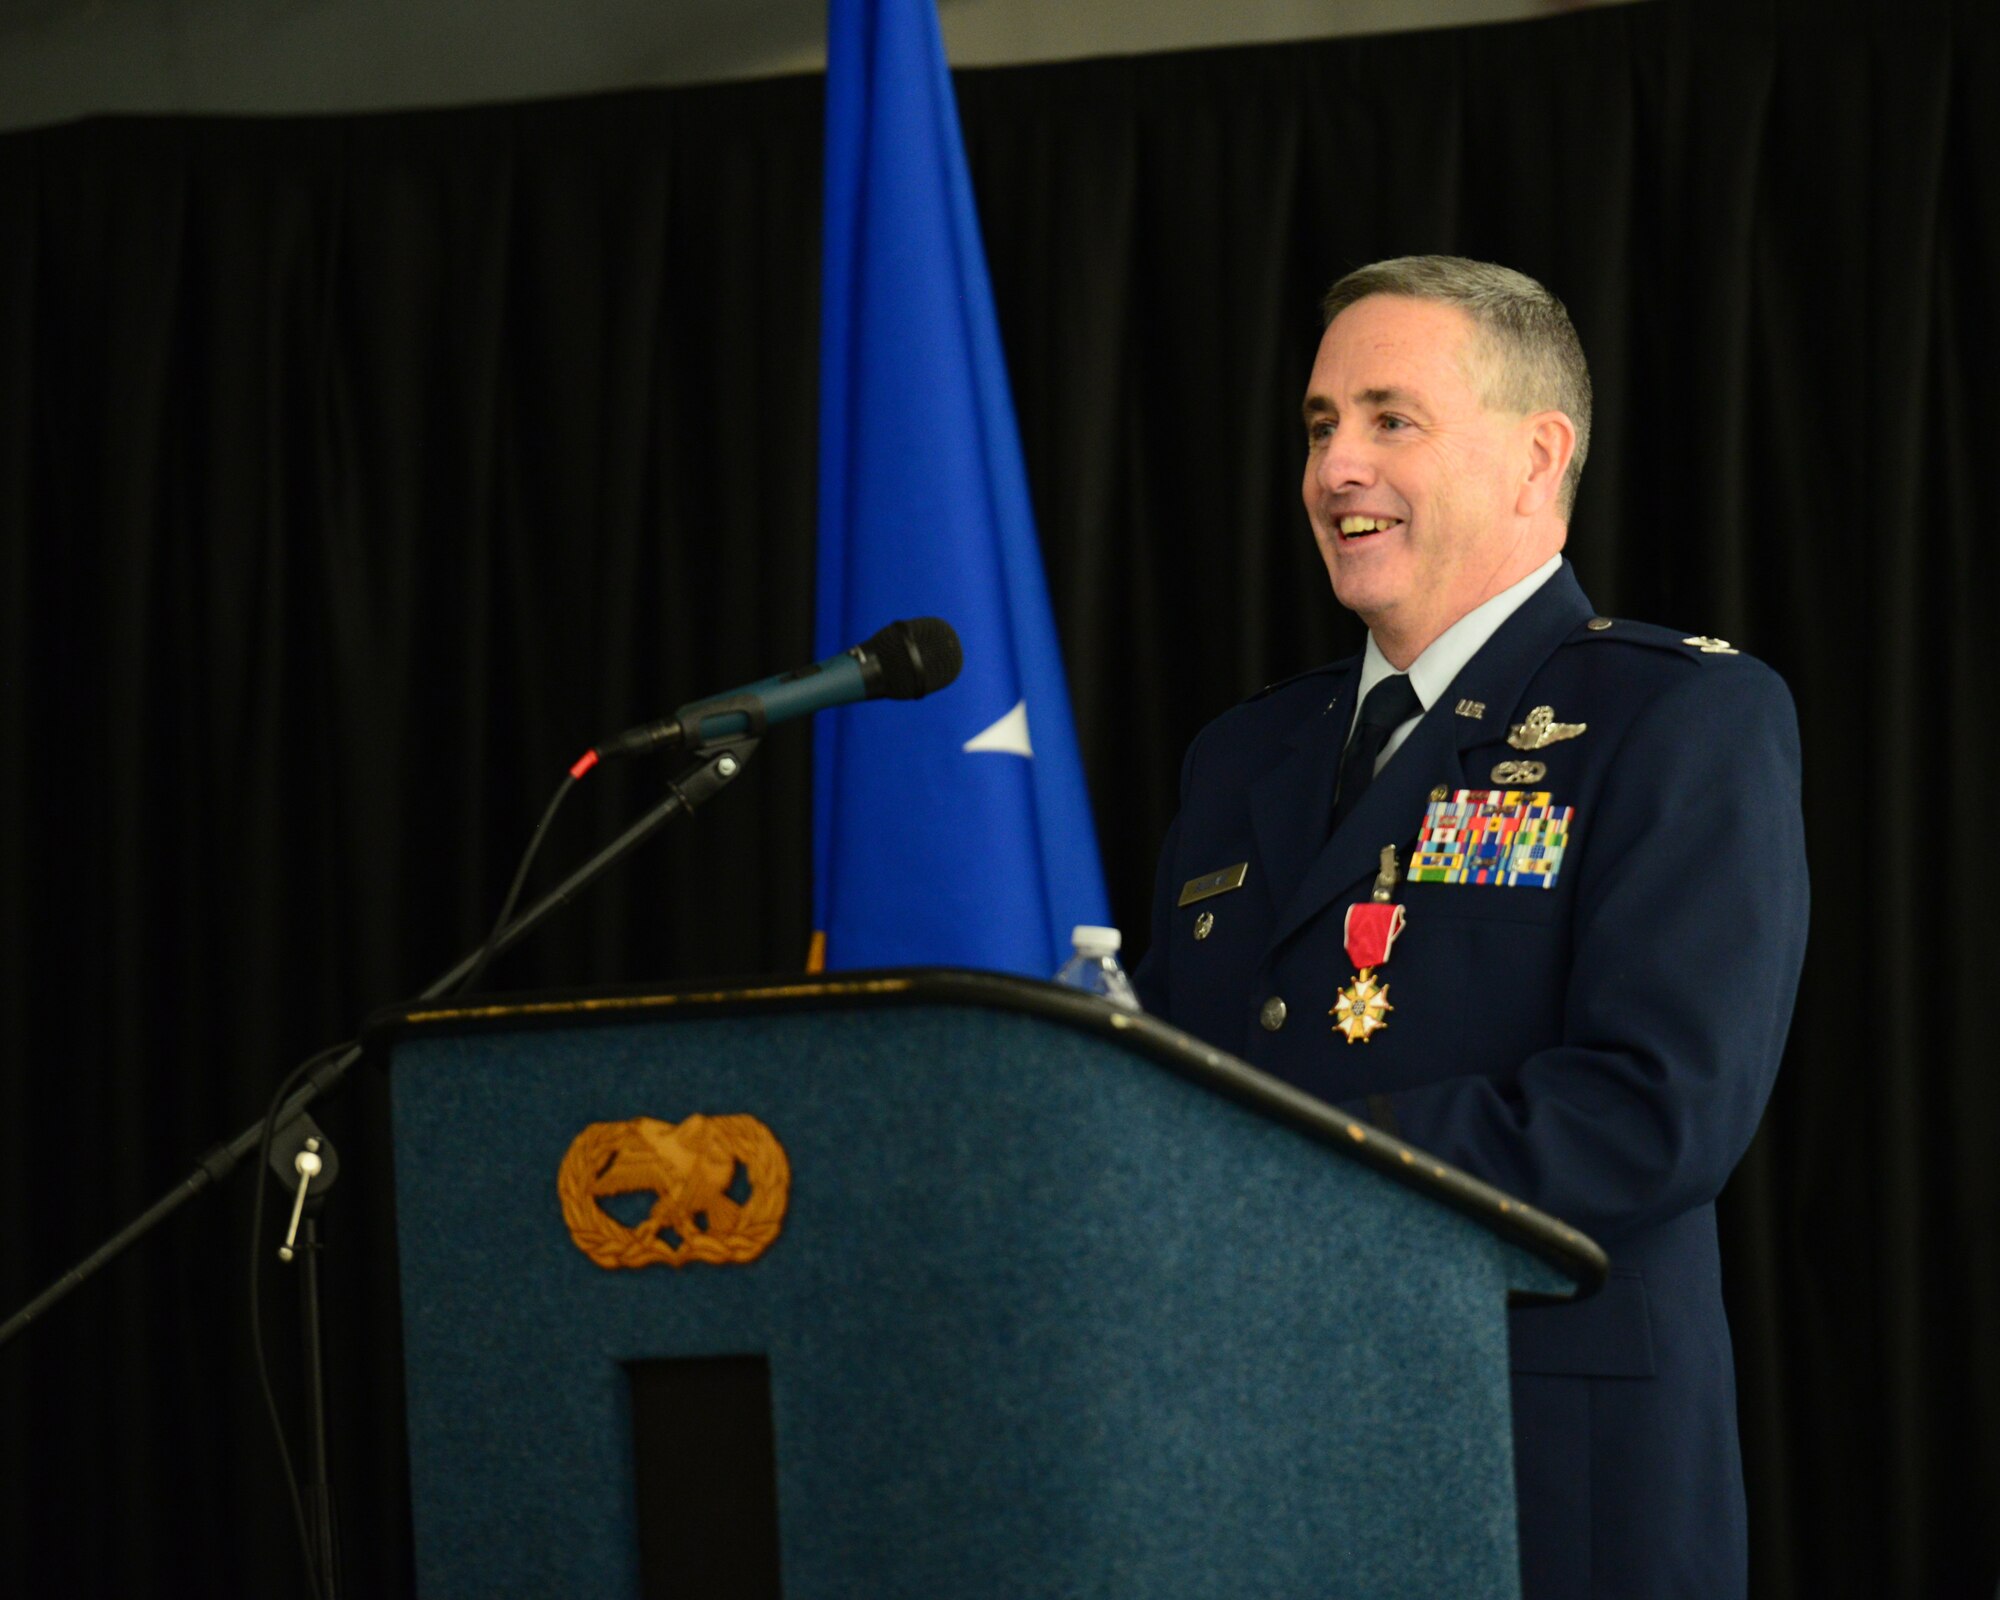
719 1187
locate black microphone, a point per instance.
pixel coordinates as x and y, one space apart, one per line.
905 661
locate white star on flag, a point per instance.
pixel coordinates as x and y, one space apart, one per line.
1008 736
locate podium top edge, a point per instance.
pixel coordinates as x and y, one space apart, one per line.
1571 1253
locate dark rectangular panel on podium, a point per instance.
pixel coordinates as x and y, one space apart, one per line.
1053 1300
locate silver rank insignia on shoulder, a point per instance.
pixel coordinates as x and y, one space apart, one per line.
1711 647
1541 729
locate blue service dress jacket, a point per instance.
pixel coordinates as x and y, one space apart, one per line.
1600 1044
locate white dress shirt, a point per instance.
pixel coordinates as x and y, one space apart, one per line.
1432 672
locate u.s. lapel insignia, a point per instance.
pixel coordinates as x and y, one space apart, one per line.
1541 730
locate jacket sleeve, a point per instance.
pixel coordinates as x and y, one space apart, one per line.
1150 979
1688 935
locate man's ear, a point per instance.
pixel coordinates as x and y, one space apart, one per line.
1551 441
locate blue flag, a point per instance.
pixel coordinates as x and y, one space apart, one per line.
953 830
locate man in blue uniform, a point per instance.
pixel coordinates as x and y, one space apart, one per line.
1577 980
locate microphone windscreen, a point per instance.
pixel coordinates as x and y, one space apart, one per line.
917 657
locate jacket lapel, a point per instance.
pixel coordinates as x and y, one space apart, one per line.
1290 816
1292 804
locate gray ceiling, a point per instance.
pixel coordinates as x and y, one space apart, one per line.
62 59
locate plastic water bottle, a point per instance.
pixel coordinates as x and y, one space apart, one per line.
1094 968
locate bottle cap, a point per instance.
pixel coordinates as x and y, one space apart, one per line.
1095 941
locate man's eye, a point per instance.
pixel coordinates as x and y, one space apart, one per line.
1393 423
1318 431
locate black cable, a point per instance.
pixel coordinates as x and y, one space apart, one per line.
318 1583
315 1578
485 955
257 1306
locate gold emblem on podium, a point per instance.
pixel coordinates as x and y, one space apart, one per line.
719 1187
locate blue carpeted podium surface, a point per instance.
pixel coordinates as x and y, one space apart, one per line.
1053 1300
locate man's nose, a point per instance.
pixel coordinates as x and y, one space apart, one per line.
1343 464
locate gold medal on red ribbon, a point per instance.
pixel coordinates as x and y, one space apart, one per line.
1361 1010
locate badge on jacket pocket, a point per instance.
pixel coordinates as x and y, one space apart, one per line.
1509 837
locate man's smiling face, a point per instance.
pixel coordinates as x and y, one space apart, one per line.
1412 483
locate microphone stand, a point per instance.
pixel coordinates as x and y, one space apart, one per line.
304 1159
720 761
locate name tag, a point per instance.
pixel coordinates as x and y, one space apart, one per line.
1213 883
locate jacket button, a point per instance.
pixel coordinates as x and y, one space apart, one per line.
1273 1014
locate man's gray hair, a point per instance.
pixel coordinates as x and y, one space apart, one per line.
1537 359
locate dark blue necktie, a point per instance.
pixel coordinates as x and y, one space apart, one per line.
1390 704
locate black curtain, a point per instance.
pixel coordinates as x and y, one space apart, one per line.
356 473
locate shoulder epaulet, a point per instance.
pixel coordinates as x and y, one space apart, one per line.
1329 670
1623 631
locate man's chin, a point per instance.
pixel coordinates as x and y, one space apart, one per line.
1367 594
